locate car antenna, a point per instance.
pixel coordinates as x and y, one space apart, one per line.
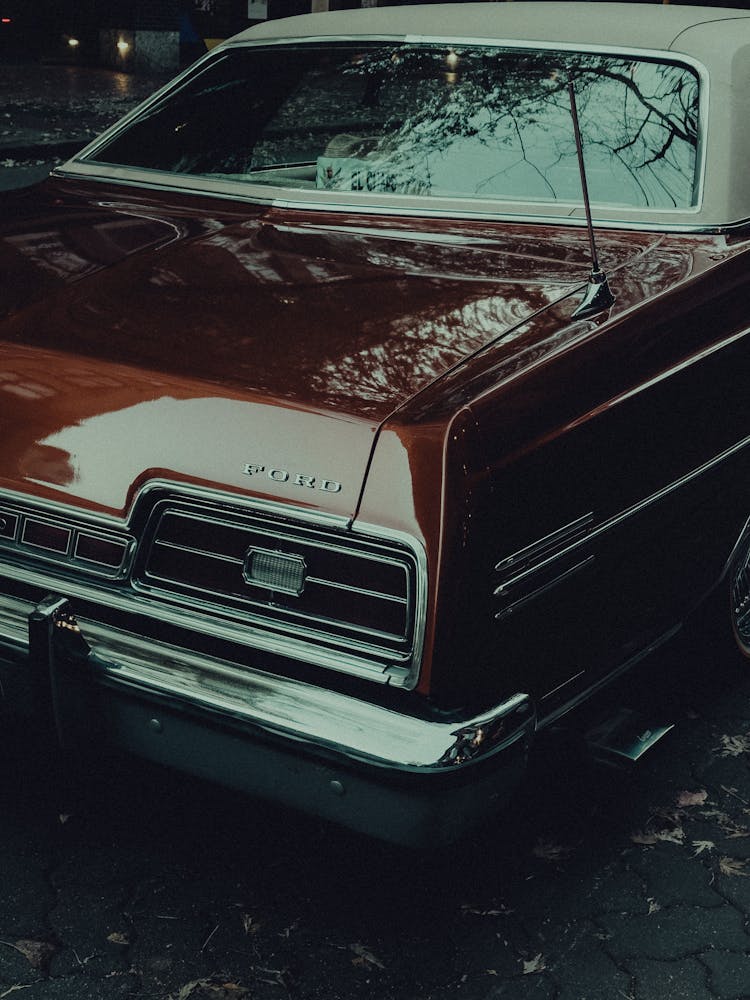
598 295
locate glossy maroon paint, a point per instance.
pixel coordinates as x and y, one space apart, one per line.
417 363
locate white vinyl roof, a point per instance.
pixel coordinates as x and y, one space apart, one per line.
716 39
643 26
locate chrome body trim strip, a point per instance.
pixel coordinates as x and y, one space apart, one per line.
542 547
660 494
510 609
364 591
583 695
590 533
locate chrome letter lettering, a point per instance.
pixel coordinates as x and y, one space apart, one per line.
251 470
330 486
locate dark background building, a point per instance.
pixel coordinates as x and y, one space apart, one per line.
150 35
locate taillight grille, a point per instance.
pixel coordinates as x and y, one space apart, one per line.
330 586
45 535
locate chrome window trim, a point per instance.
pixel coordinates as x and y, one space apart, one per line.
394 204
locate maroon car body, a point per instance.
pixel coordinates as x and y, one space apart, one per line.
340 502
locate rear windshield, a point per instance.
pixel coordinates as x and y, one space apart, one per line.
427 120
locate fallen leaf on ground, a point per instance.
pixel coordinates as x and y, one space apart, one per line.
547 850
676 836
535 964
717 814
365 958
735 794
274 977
703 845
500 910
733 746
670 830
213 987
732 866
250 924
734 832
38 953
686 799
288 930
727 825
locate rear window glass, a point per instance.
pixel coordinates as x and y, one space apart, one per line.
427 120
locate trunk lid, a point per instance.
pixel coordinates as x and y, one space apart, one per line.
256 353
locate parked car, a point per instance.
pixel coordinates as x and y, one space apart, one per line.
340 455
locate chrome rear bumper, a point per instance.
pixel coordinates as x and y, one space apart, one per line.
257 728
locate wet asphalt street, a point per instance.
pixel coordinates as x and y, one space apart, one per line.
595 884
47 113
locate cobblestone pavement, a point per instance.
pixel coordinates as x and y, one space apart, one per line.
596 884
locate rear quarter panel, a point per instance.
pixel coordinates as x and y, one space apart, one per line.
593 482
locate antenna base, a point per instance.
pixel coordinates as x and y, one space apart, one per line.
597 297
